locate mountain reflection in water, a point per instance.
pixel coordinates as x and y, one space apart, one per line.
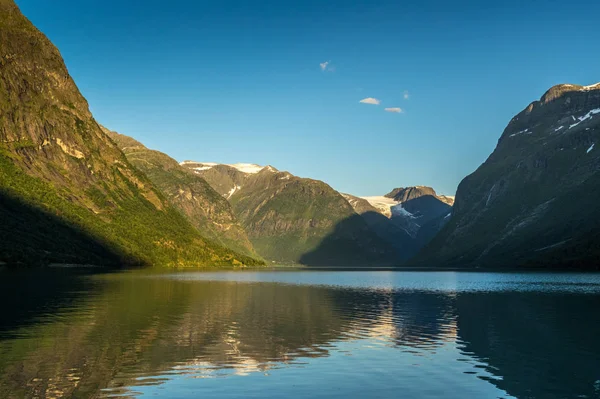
422 333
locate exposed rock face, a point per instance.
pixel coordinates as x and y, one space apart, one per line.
534 200
292 219
58 168
403 194
206 209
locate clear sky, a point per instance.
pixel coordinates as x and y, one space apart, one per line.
242 81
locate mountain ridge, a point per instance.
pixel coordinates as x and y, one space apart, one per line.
291 219
64 172
531 203
208 211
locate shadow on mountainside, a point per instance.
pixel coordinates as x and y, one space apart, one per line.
352 243
393 234
30 236
426 208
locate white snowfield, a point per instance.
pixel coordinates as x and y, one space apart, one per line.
388 206
249 168
383 204
398 210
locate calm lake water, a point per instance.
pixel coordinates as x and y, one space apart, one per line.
300 334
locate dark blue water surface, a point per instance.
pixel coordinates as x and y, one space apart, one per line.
300 334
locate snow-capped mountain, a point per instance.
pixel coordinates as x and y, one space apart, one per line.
249 168
416 213
293 219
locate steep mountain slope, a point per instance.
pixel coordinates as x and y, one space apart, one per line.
206 209
407 217
533 202
292 219
225 179
60 173
383 226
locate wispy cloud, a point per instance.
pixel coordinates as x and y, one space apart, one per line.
395 110
327 67
370 100
406 95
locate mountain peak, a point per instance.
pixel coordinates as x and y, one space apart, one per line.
402 194
248 168
561 108
559 90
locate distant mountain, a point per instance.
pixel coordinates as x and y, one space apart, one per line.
378 219
533 202
206 209
411 216
293 219
67 193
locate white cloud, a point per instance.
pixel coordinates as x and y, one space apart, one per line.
324 65
406 94
370 100
396 110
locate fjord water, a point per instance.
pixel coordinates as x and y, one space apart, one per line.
300 334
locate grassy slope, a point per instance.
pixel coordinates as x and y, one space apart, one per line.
55 159
206 209
287 218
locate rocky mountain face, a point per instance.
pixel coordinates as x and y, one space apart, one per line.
67 193
206 209
292 219
407 217
403 194
533 202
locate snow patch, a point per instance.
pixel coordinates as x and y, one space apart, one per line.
590 149
398 210
558 128
591 87
232 191
585 117
247 167
521 132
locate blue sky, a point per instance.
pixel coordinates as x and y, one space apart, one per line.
241 81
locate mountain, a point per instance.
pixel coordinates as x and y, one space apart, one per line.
403 194
206 209
67 193
533 202
379 221
406 217
296 220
